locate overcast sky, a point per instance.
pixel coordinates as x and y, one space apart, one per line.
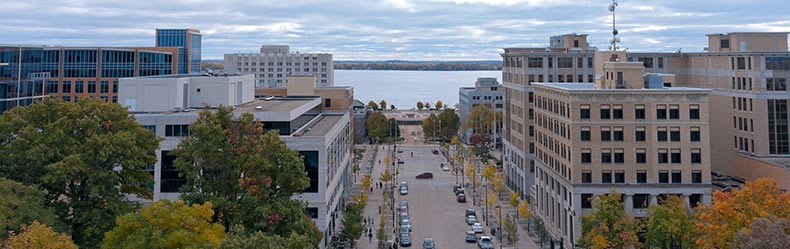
386 29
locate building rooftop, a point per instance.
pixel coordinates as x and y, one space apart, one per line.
591 87
276 104
179 76
321 126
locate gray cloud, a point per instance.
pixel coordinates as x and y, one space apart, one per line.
387 29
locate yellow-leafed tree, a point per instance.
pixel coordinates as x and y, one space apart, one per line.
523 210
166 224
736 210
489 171
39 236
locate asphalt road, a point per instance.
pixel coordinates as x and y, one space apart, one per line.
433 209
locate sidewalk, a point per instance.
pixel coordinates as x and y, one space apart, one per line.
375 199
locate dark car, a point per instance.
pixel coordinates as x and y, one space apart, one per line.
457 189
461 198
425 175
435 152
400 161
470 212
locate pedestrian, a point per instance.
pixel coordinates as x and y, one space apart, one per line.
371 189
370 237
379 209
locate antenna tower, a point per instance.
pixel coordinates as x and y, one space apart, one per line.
613 44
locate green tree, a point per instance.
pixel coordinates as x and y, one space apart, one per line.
352 223
378 127
21 205
383 104
608 226
481 122
669 225
449 122
166 224
39 236
88 155
439 104
259 239
373 105
511 228
247 174
431 127
420 105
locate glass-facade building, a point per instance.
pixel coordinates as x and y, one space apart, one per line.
189 46
28 73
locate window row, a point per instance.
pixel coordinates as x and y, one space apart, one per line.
662 112
664 176
663 156
663 134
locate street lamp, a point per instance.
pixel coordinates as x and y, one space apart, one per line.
499 230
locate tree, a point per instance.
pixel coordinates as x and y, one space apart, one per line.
21 205
764 233
427 105
523 210
259 239
383 104
669 225
498 183
249 176
378 126
40 236
439 104
430 126
420 105
166 224
608 226
352 223
386 176
87 155
511 228
449 124
481 122
513 200
736 210
392 107
489 171
373 105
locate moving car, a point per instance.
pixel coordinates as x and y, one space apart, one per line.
425 175
470 212
477 227
461 198
445 168
435 152
400 161
485 242
471 237
404 191
457 189
406 223
400 151
428 244
405 240
470 219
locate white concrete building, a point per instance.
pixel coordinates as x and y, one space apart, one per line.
275 63
487 91
165 106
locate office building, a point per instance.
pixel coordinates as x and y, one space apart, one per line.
189 44
487 91
275 63
71 73
625 132
318 128
361 114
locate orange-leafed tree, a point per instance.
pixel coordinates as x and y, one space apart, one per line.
736 210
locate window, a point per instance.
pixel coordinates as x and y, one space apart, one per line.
676 156
660 62
618 112
170 181
587 200
696 176
328 103
694 200
641 156
178 130
696 156
661 134
606 156
676 176
674 134
619 176
775 84
641 176
674 112
725 43
778 139
535 62
606 134
663 156
104 87
79 87
694 112
565 62
584 112
586 176
66 86
694 134
606 176
311 212
741 63
663 176
661 112
640 201
618 134
777 63
639 134
91 86
312 168
605 112
586 156
619 156
648 62
585 134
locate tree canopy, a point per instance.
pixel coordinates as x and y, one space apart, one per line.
378 127
669 224
450 122
420 105
608 226
247 174
439 104
373 105
481 122
39 236
87 155
166 224
21 205
352 222
383 104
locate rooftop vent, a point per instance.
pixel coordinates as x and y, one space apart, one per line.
269 98
259 108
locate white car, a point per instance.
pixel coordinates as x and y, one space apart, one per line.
407 224
485 242
470 219
445 168
404 191
477 227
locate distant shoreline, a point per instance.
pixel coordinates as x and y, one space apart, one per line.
420 65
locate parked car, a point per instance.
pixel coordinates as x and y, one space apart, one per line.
400 161
457 188
403 216
461 198
428 243
477 227
404 184
445 168
404 191
404 230
405 240
470 219
435 152
485 242
404 205
425 175
470 212
471 237
406 223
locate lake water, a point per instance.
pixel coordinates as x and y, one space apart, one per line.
405 88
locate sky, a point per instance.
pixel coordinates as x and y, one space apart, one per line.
387 29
